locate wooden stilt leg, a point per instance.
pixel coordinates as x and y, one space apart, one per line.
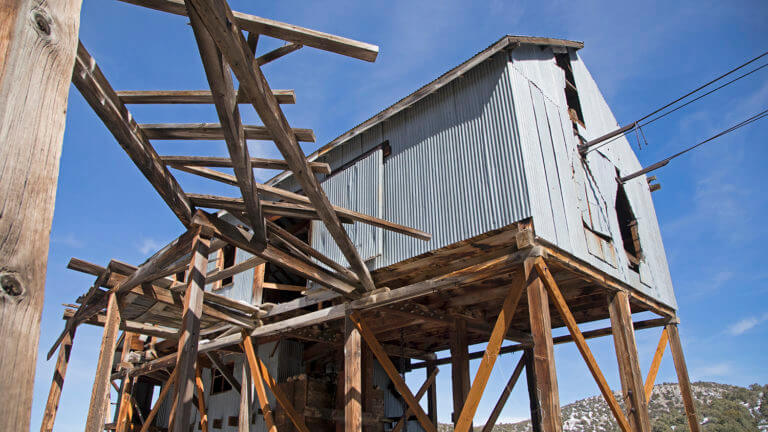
432 393
491 354
504 396
353 412
186 361
201 400
244 415
533 392
97 411
547 394
651 378
676 348
125 408
392 373
629 362
562 307
57 384
368 383
258 383
160 398
419 394
459 367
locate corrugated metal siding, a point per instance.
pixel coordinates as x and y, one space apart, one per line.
358 187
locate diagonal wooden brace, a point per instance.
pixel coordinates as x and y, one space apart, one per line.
655 364
419 394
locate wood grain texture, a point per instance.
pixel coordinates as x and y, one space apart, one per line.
213 131
676 348
38 41
353 400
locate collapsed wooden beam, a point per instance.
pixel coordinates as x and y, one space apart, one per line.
95 88
143 97
231 125
279 30
223 162
655 364
562 307
218 19
270 208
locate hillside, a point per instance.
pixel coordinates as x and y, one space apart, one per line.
720 408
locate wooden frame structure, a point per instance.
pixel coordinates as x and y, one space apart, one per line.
444 299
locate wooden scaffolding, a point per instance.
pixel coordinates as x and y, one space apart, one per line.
446 299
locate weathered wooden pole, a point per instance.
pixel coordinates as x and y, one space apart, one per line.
676 348
459 367
38 41
353 411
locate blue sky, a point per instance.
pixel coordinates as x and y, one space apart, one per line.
641 55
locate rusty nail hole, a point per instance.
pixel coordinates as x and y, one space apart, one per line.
42 23
11 285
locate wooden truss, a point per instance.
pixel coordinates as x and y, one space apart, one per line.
446 299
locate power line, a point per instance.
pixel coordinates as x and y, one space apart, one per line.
664 162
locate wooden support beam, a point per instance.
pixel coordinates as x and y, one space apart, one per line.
57 383
533 391
219 274
459 367
279 30
38 41
218 19
190 333
494 416
500 329
258 383
629 362
95 88
225 372
545 396
655 364
100 320
97 410
428 383
432 393
125 408
270 208
392 372
169 384
676 348
244 413
213 131
201 400
142 97
581 344
277 53
353 400
231 125
224 162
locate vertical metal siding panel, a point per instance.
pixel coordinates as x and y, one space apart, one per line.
561 172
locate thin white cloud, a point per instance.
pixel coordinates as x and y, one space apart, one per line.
70 240
149 245
746 324
713 370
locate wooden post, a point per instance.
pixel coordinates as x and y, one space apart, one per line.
57 384
101 383
124 406
353 412
186 361
432 393
629 362
504 396
244 415
257 296
676 348
533 392
547 394
38 42
459 367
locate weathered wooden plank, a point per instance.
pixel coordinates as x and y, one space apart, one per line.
100 393
545 397
494 416
270 208
100 320
392 373
258 383
141 97
277 53
223 162
676 348
353 388
57 383
96 90
655 364
279 30
190 334
213 131
234 48
562 307
244 413
38 41
491 353
629 362
428 383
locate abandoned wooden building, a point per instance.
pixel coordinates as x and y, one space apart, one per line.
477 209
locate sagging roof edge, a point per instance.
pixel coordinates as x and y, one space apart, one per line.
506 42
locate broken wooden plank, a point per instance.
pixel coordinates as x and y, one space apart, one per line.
213 131
141 97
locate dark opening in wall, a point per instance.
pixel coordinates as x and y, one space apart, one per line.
218 383
228 260
628 227
571 94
